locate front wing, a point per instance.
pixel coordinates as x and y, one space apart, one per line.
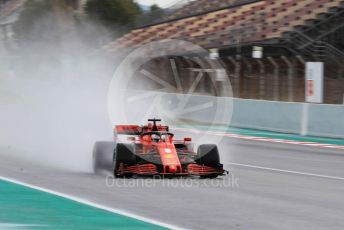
151 169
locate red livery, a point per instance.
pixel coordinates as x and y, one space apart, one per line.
152 150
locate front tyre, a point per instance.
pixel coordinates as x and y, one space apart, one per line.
123 154
208 155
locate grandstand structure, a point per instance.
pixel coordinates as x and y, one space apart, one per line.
291 32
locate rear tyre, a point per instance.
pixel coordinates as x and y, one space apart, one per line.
102 156
208 155
124 153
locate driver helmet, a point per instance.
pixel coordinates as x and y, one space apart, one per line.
155 137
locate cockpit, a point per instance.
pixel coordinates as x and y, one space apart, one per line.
157 136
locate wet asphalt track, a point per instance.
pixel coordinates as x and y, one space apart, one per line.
276 186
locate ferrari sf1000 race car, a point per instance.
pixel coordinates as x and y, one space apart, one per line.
152 150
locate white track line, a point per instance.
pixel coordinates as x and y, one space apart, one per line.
286 171
95 205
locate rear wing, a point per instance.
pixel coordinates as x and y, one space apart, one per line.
128 129
160 128
138 130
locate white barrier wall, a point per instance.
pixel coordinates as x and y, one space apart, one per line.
298 118
267 115
326 120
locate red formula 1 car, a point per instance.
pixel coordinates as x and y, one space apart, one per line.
152 150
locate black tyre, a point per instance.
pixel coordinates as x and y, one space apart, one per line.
102 156
124 153
208 155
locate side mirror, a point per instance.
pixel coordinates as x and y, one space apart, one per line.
187 139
